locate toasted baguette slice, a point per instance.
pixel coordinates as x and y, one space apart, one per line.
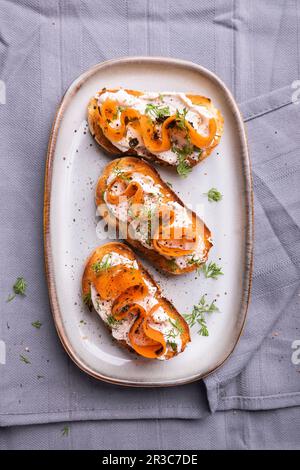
137 181
131 305
165 132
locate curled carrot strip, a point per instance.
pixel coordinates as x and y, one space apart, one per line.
166 240
148 131
199 140
154 141
115 280
163 143
144 340
128 289
131 190
126 304
146 343
109 110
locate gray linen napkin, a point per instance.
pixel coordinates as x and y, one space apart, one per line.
237 430
264 371
43 47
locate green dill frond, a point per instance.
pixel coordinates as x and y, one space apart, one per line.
198 315
214 195
101 265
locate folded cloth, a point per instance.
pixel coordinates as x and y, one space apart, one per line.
262 372
43 47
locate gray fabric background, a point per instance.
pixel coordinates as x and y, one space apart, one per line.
222 430
254 47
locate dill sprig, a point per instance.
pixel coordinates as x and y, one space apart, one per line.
180 118
183 166
87 300
121 174
173 333
112 322
173 266
196 261
198 315
65 431
211 270
172 344
24 359
176 324
19 288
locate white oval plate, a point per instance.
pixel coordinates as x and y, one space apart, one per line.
73 167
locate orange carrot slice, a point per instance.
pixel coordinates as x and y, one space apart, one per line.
126 303
143 344
111 283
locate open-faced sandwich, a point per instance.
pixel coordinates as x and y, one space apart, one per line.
149 215
170 128
130 303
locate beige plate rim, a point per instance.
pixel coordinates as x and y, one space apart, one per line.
72 90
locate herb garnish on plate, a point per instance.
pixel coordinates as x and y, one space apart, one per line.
214 195
101 266
212 270
198 315
157 111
